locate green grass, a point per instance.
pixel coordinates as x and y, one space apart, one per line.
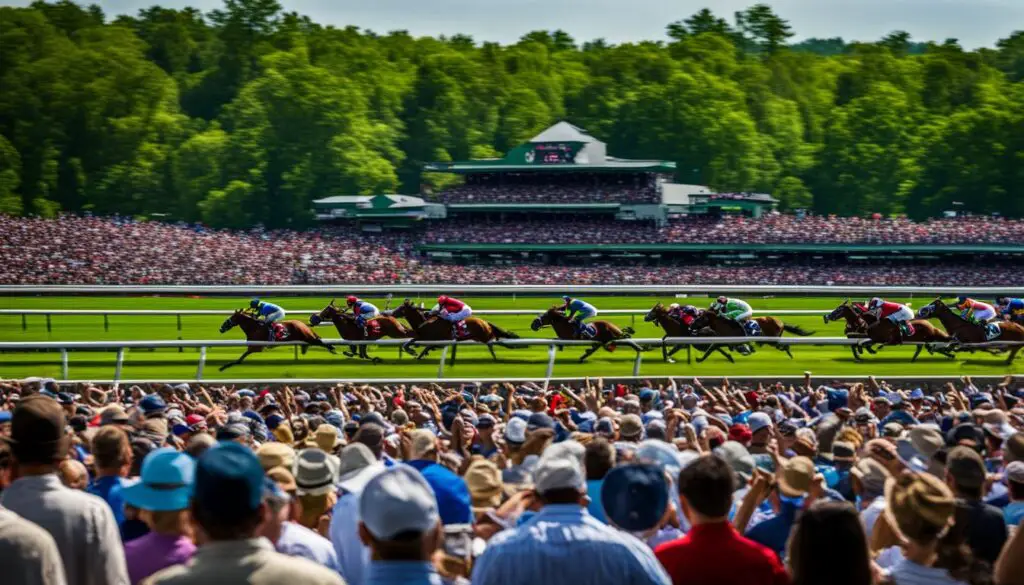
473 362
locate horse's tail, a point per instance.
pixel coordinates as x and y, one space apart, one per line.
500 333
798 330
627 332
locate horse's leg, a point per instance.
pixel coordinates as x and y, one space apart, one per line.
407 347
855 352
590 351
236 362
726 354
708 351
490 346
785 348
1013 354
664 350
917 352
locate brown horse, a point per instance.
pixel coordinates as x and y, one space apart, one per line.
711 324
674 328
428 328
376 328
607 336
963 331
863 325
256 330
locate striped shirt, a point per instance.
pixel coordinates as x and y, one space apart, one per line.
910 573
549 547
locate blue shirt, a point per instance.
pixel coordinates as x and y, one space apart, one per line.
563 543
109 488
268 308
453 502
1015 306
403 573
298 541
365 307
774 532
594 492
578 306
1014 513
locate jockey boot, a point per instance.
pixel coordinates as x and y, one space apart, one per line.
904 329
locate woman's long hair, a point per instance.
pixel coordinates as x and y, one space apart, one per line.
828 545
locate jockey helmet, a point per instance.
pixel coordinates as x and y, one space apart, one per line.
674 306
875 302
351 300
961 301
566 298
255 303
1002 300
442 299
723 300
690 310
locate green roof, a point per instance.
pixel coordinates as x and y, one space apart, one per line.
535 207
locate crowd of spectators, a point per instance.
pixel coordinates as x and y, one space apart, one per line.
90 250
805 483
555 189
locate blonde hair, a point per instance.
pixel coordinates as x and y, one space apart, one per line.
170 522
313 507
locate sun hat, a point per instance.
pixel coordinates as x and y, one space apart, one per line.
166 482
276 455
630 427
485 486
315 472
872 475
913 497
635 496
326 437
796 476
398 501
357 467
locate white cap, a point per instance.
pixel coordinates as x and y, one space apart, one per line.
398 500
758 421
557 473
515 430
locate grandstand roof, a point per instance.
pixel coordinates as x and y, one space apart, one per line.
564 132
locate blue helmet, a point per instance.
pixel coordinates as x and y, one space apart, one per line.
566 298
1002 300
961 300
254 303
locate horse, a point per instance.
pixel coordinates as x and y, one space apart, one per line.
427 328
256 330
863 325
673 328
962 331
712 324
381 326
606 336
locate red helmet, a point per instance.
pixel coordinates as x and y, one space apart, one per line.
352 300
442 299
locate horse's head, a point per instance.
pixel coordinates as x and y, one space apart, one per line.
231 321
932 309
703 319
657 311
546 318
328 314
839 312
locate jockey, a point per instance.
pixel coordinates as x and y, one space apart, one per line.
735 309
685 314
363 311
975 312
1010 308
894 312
582 311
454 311
269 313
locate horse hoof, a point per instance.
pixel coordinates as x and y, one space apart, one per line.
670 360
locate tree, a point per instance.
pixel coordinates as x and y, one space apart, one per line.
703 21
763 27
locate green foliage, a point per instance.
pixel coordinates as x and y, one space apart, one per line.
245 114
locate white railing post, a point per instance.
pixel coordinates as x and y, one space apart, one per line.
551 360
636 363
117 366
440 365
64 364
202 363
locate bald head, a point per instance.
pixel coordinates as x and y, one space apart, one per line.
73 474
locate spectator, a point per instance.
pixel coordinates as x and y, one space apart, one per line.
73 474
288 536
795 479
112 454
28 554
163 495
828 545
635 498
358 467
453 500
869 479
598 460
228 508
315 474
543 549
82 524
401 525
965 475
712 544
1014 511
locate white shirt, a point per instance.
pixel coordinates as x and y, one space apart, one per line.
353 556
869 515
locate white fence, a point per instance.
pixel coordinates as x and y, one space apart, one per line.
502 289
551 344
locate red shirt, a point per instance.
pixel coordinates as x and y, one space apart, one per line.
716 554
453 305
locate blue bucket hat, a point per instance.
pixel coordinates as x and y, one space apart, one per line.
229 480
635 496
168 477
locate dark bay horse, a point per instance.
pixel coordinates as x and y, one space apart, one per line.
607 336
711 324
674 328
376 328
427 328
963 331
863 325
256 330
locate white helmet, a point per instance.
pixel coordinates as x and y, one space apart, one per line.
674 306
875 302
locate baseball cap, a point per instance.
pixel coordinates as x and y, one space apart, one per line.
635 496
555 473
738 458
758 421
166 482
966 467
795 476
485 421
515 430
604 426
228 481
152 404
398 501
1014 472
539 420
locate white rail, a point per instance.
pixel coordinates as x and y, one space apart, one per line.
552 344
504 289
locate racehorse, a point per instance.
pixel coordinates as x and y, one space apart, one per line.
863 325
256 330
376 328
673 328
427 328
711 324
607 334
963 331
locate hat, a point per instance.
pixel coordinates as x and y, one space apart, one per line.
656 429
863 415
398 501
556 473
276 455
787 427
65 399
1014 472
326 437
738 458
283 477
805 447
917 394
635 496
913 497
926 441
630 427
881 449
892 429
357 466
758 421
152 404
374 418
114 415
166 482
229 481
796 476
515 430
315 472
872 475
232 431
997 423
662 454
966 467
539 420
485 486
739 433
843 451
37 430
423 441
486 421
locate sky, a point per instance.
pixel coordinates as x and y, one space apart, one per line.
975 23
